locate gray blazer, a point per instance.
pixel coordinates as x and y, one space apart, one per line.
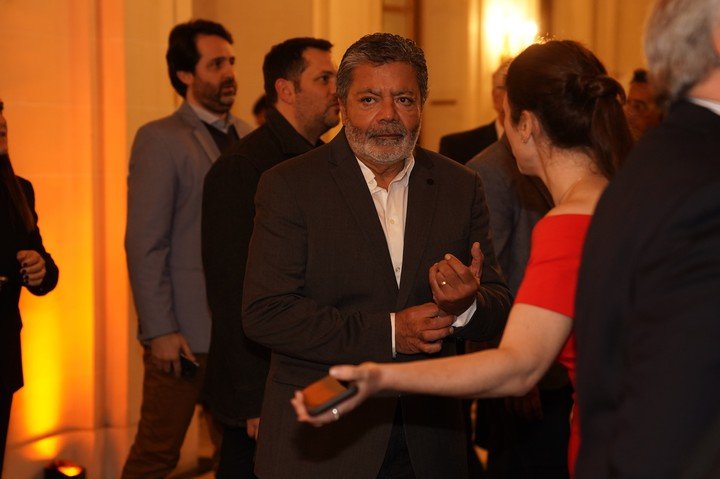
168 163
516 202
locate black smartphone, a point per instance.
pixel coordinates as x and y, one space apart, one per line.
188 368
326 393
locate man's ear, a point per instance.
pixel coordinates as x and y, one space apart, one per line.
285 90
186 77
343 109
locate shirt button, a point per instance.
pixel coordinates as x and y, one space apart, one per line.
397 269
392 221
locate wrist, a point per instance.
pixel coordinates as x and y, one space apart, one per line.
382 374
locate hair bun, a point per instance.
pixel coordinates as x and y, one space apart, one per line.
594 87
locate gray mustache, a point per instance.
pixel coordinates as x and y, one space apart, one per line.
395 130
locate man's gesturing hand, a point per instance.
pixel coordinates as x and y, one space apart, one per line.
455 285
420 329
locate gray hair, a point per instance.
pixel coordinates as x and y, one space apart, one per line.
498 76
679 44
380 49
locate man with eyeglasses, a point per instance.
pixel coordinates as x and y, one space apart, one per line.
641 108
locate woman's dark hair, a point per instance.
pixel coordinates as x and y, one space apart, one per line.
182 53
20 208
577 103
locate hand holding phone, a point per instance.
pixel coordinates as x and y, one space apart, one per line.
326 393
188 368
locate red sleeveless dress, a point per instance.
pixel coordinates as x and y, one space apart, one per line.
550 281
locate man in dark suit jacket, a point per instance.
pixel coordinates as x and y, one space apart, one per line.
300 83
462 146
351 243
648 299
23 262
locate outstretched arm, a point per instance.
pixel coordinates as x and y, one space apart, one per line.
532 340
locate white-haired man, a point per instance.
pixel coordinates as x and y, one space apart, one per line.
648 308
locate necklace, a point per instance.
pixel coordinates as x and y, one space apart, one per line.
569 190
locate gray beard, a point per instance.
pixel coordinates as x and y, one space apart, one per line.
367 146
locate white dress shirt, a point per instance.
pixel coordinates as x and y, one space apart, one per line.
391 207
705 103
212 118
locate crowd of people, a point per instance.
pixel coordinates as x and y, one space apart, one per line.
562 263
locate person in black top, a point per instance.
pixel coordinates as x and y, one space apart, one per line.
23 262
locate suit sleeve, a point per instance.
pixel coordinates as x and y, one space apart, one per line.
227 225
494 298
276 310
669 390
151 196
35 243
501 207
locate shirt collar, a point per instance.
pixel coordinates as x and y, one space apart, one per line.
402 178
212 118
291 141
705 103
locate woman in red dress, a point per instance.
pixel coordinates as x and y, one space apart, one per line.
565 123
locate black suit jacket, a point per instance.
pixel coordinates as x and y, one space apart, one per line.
237 367
648 305
462 146
14 239
319 290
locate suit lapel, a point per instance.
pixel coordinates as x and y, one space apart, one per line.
207 143
202 135
241 128
354 190
422 201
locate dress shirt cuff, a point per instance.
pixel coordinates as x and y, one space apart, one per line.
392 332
460 320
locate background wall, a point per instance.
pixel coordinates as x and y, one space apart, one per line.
78 78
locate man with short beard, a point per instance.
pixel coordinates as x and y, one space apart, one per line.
299 78
168 163
361 251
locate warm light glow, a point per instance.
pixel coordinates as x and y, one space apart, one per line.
70 471
40 398
45 448
509 27
58 336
